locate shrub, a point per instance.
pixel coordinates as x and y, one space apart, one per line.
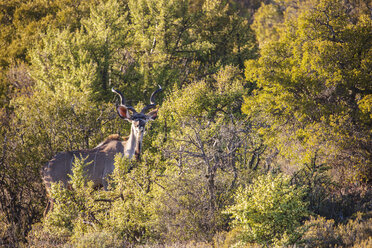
98 239
364 243
356 230
122 213
269 210
38 237
320 232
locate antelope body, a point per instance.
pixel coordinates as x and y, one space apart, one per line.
100 159
100 162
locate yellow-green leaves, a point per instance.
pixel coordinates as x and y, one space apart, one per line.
312 80
269 209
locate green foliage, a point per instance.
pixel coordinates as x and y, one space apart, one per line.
104 35
84 215
312 81
207 147
21 197
74 52
267 23
99 239
315 177
211 98
39 238
71 206
269 210
84 58
52 122
23 23
60 105
131 215
326 233
307 106
186 39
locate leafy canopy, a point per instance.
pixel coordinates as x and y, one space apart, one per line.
313 82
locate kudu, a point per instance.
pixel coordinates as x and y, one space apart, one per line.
100 160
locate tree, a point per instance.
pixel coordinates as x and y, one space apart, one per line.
209 150
312 82
187 40
22 24
105 37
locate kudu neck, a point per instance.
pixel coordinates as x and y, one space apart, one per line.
134 144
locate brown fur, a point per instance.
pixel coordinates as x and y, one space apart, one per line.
115 137
100 162
111 138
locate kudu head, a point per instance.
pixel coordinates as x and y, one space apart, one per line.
138 121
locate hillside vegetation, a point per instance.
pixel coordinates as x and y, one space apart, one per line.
263 136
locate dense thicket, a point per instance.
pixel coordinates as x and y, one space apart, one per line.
313 86
265 120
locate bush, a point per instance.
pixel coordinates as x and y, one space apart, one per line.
85 217
320 232
98 239
356 230
269 210
41 238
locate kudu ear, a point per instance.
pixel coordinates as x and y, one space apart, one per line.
123 112
152 115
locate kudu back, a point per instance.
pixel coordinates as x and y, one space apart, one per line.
100 160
